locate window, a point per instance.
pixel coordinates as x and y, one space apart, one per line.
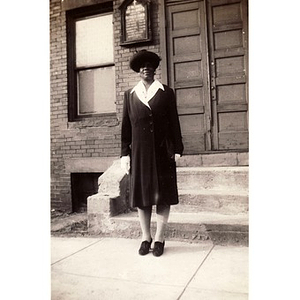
83 185
91 69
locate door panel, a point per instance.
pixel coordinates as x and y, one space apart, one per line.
185 19
190 125
180 44
224 12
188 71
188 101
236 140
229 66
229 121
207 59
231 93
228 39
227 27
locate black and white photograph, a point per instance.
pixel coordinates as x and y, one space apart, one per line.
152 177
149 149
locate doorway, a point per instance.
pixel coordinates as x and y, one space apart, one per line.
207 62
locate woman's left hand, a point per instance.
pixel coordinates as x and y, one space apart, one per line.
125 164
177 156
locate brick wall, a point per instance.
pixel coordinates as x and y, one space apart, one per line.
89 138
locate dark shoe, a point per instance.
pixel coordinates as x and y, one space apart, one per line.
158 249
145 247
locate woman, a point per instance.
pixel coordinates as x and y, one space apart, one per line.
151 143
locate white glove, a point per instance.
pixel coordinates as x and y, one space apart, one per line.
177 156
125 164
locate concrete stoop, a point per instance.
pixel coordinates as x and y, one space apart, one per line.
213 206
227 202
74 224
191 227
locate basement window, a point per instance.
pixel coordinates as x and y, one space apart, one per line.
83 185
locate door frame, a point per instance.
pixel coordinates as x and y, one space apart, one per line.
211 129
215 80
164 63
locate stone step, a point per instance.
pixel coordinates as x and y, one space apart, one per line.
73 224
213 206
214 159
225 202
192 227
213 178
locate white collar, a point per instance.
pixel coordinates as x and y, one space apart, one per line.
144 95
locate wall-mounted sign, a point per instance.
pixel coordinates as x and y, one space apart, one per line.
135 18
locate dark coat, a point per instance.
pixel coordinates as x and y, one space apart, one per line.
148 136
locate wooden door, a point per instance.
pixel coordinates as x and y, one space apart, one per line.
188 71
207 67
227 27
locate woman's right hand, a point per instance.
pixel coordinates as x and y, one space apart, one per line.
125 164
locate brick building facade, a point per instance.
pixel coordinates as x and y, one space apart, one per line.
203 45
91 144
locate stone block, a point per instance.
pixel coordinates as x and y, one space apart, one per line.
111 200
213 178
243 159
225 202
219 159
189 161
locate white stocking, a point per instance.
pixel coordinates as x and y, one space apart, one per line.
162 216
145 221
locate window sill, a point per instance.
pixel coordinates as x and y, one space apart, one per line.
99 120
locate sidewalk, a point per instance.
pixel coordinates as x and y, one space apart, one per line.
110 268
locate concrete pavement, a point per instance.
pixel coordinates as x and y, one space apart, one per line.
110 268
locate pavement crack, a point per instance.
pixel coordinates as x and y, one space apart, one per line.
76 252
186 286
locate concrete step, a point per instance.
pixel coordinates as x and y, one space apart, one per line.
213 178
225 202
213 206
74 224
214 159
192 227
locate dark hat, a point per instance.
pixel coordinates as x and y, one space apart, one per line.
143 56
